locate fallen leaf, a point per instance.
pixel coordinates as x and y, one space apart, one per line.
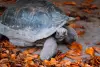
57 3
90 51
13 57
74 65
74 52
3 65
95 61
35 56
98 43
46 62
3 55
7 44
31 50
65 63
25 52
87 65
27 59
78 18
97 49
88 1
53 61
93 6
87 11
4 61
73 55
60 57
80 32
76 46
74 25
70 3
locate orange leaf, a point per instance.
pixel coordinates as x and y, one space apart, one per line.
60 57
74 64
74 25
53 61
35 56
57 3
98 43
93 7
25 52
90 51
46 62
87 11
80 33
31 50
65 63
4 55
97 49
76 46
88 1
69 3
13 56
27 59
86 65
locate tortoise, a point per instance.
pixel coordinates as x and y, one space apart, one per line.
34 22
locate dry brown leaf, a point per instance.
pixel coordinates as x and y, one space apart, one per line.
46 62
35 56
73 52
97 49
80 33
77 58
76 46
60 57
70 3
58 65
96 60
13 56
31 50
74 65
57 3
88 1
78 18
3 65
87 11
27 59
7 44
87 65
4 61
98 43
3 55
53 61
25 52
74 25
93 6
90 51
65 63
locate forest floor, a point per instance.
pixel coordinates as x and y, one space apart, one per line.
83 53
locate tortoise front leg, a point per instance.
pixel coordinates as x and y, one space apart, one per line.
49 49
